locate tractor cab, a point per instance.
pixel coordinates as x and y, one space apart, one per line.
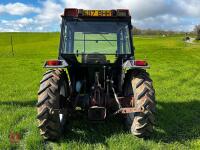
95 36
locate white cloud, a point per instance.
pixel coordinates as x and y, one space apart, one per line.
18 9
47 19
50 13
190 8
22 24
151 8
25 21
165 22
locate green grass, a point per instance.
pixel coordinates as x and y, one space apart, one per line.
175 70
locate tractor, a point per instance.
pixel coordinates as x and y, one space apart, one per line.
96 72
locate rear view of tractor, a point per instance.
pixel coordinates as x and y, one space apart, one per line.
96 71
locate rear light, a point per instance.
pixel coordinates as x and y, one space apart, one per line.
71 12
123 12
140 63
54 62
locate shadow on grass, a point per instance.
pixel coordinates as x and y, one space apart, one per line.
20 103
84 131
177 121
81 130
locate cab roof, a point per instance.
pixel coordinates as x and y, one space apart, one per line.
74 12
97 15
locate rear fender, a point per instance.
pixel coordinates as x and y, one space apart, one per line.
132 64
56 64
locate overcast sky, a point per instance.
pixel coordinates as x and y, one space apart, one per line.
44 15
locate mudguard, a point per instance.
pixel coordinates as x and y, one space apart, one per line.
56 64
132 64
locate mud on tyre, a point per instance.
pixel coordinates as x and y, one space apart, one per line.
141 124
52 95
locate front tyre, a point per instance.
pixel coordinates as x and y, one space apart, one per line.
52 95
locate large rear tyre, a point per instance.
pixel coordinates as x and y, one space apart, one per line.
141 124
52 95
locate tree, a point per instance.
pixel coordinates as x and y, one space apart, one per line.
136 31
197 31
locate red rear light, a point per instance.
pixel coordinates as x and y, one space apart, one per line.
140 63
123 12
71 12
54 62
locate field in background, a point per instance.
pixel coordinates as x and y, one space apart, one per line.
175 69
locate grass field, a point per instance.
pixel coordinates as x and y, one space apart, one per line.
175 69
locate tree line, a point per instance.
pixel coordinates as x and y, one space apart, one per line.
137 31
